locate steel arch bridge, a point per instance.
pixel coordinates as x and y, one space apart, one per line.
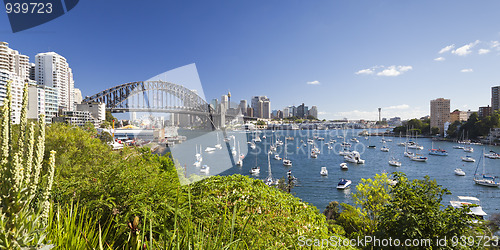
151 96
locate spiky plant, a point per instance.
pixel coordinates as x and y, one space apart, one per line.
23 210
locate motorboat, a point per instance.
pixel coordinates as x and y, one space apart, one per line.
469 149
287 163
354 157
492 155
439 152
343 184
344 166
468 159
459 172
475 211
384 149
205 169
252 145
419 158
209 149
255 170
324 171
314 155
458 147
355 140
321 139
395 162
371 146
344 152
277 157
409 154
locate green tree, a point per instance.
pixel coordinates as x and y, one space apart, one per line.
434 130
109 116
415 212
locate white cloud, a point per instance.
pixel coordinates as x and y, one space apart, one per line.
447 48
365 72
466 70
313 83
394 70
483 51
385 71
402 106
466 49
439 59
495 44
404 68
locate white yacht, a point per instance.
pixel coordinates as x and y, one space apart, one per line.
483 179
354 157
324 171
468 159
255 170
205 169
395 162
209 149
343 183
459 172
476 211
344 166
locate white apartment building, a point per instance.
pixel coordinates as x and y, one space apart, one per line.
53 70
77 96
97 110
13 67
42 100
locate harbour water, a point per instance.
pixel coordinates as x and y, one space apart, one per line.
320 190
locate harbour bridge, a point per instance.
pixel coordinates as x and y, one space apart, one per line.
156 97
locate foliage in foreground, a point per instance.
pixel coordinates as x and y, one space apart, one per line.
411 209
24 196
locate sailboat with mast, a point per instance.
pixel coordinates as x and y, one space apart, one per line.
270 181
198 156
218 145
286 162
483 179
240 156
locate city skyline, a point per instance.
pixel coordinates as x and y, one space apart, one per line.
348 58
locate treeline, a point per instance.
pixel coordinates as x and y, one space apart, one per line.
416 126
474 127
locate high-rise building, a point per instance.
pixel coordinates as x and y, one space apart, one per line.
224 103
495 98
258 106
484 111
77 96
440 113
313 111
14 67
53 70
302 111
250 112
266 109
243 107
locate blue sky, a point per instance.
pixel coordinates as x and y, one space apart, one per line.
355 55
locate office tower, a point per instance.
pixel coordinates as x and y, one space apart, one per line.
302 111
495 98
266 109
243 107
440 113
